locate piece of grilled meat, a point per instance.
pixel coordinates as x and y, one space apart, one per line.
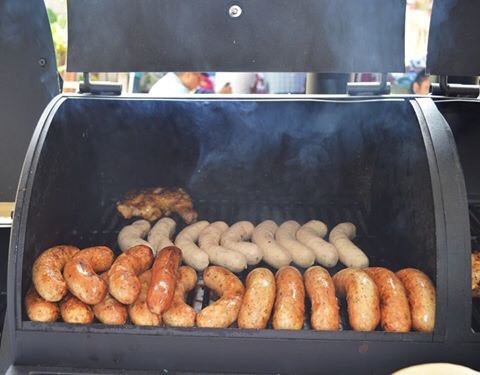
152 204
476 274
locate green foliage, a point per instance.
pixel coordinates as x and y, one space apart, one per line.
58 26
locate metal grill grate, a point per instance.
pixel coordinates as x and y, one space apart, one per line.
200 297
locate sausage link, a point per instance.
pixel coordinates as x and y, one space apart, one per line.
40 310
258 301
123 281
273 253
47 272
395 311
289 308
321 291
363 300
223 312
180 314
75 311
138 311
422 298
164 276
110 311
80 273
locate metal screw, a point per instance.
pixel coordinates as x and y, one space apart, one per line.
42 62
235 11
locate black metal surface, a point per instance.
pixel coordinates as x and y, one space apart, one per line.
454 38
4 242
335 36
28 77
463 116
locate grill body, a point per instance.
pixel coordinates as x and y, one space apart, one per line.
387 164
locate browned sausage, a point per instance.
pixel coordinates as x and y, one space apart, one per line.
289 308
164 276
223 312
422 298
47 272
39 309
139 312
110 311
363 300
75 311
395 311
123 282
80 273
180 314
321 291
258 301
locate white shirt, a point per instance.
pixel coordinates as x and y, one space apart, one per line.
169 84
241 83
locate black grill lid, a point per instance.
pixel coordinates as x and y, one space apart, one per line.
454 39
28 80
337 36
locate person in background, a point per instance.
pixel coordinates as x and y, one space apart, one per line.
235 83
177 83
421 84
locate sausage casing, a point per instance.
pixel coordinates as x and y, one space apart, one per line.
363 300
395 311
139 312
47 272
422 298
223 312
180 314
40 310
321 291
75 311
258 300
123 281
80 273
289 307
164 276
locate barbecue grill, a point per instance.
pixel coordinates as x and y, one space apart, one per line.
387 163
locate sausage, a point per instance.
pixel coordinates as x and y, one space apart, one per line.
209 241
289 307
47 272
311 235
192 255
180 314
223 312
164 276
38 309
321 291
110 311
133 235
139 312
349 254
273 253
422 298
75 311
258 300
80 273
236 238
395 311
302 256
161 234
363 300
123 281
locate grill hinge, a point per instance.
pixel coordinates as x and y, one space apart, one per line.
99 88
369 88
455 89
